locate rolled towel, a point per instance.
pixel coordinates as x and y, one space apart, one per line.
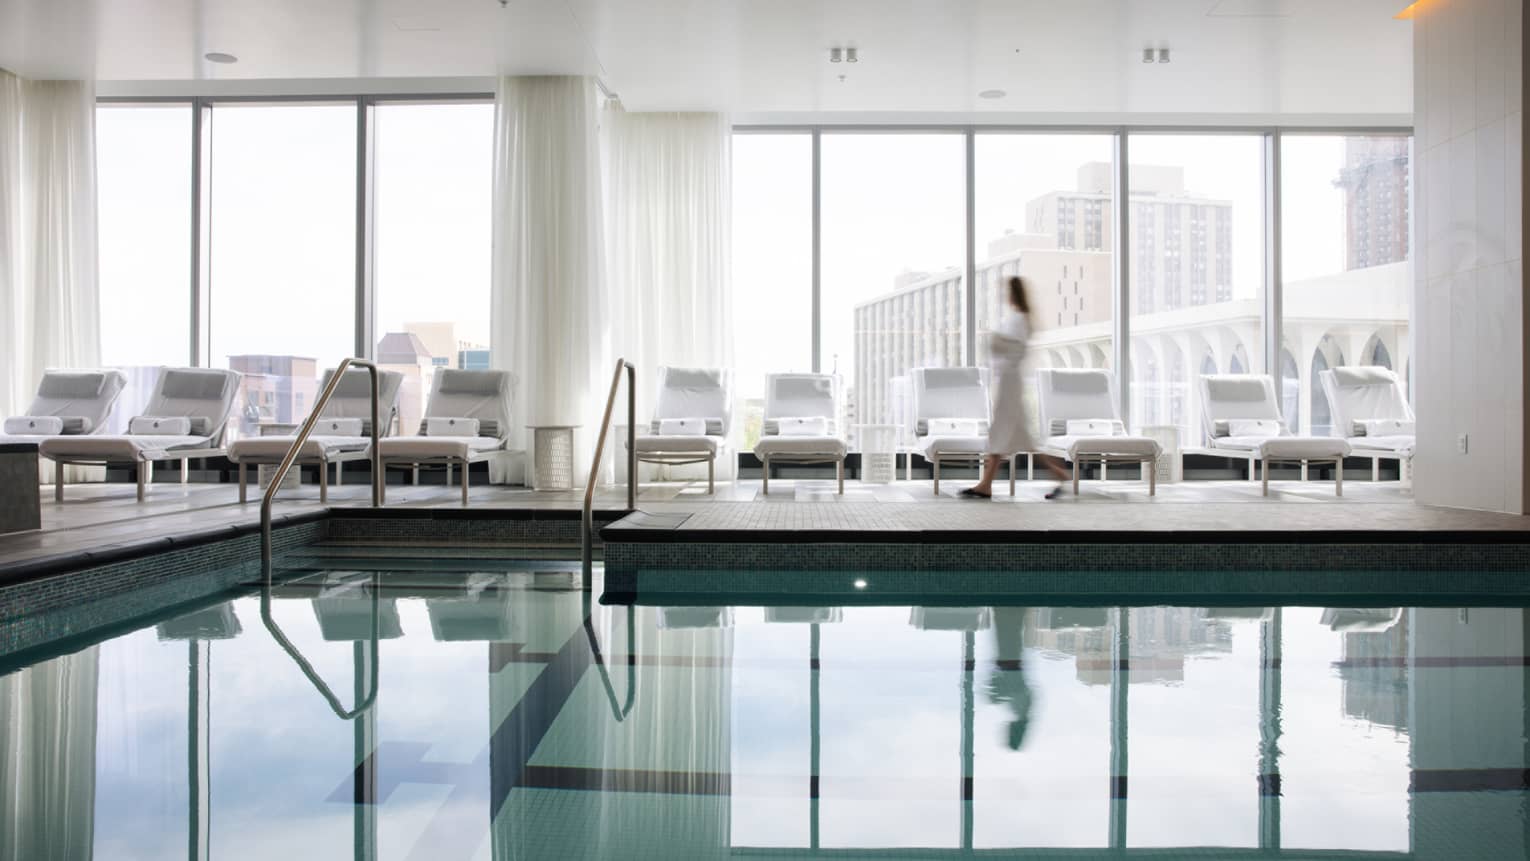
683 427
159 426
1383 427
956 427
803 426
1094 427
34 425
451 426
1253 427
338 427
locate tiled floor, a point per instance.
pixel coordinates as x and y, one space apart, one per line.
100 515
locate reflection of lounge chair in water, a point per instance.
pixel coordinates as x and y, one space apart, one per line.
480 612
344 609
210 623
1008 684
1360 619
805 615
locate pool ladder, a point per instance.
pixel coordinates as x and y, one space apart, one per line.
587 519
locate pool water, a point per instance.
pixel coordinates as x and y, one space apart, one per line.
516 717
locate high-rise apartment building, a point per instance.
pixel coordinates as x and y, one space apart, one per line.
1375 184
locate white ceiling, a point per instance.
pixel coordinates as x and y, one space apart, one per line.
1345 60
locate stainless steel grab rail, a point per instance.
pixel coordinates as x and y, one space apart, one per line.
302 437
587 521
303 664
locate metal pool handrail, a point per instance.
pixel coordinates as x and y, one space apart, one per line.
307 668
587 521
302 437
619 712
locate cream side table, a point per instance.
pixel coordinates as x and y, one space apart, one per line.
553 453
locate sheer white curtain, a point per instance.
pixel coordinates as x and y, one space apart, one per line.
548 306
669 234
48 758
47 234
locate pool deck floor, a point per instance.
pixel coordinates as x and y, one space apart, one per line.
98 516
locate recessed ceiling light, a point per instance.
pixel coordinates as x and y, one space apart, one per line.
992 94
219 57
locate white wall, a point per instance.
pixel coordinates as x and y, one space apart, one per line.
1469 280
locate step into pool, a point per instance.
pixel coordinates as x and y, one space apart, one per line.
496 709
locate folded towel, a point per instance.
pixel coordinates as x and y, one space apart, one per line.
956 427
683 427
1253 427
1383 427
1364 375
1094 427
338 427
803 426
34 425
450 426
159 426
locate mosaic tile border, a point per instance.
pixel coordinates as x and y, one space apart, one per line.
57 607
1218 567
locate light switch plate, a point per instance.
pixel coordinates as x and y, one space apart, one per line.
1461 443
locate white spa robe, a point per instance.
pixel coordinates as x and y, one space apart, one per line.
1009 432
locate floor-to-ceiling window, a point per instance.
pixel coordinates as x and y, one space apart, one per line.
143 194
1195 241
893 209
1345 263
1043 207
282 252
433 182
772 267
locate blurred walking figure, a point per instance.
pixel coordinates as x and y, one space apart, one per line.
1009 431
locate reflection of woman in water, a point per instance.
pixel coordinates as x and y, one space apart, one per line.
1009 432
1007 684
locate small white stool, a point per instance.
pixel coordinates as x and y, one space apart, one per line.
553 465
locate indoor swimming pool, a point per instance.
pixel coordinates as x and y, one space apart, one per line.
506 713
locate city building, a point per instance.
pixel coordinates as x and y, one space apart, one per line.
1376 195
274 389
406 353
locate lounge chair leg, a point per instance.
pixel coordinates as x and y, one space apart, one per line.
323 483
244 475
839 475
935 472
414 478
1104 469
1304 470
58 482
185 470
1151 468
711 475
1075 478
339 465
1251 464
448 474
1375 469
1013 459
765 475
143 472
1266 476
1338 477
464 481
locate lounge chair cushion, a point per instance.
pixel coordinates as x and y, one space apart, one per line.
829 446
946 444
1070 446
679 443
1399 444
121 447
271 449
409 448
1293 447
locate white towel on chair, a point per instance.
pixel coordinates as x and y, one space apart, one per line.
683 427
803 426
34 425
445 426
160 426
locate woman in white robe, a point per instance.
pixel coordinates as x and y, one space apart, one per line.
1010 430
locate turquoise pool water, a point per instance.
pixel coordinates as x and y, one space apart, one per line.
515 718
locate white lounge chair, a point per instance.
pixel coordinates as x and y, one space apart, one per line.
1355 620
478 612
68 403
344 431
691 419
1371 411
1241 418
467 420
951 618
801 424
951 415
1079 423
186 418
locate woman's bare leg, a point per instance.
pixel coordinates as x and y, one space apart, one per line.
990 472
1054 466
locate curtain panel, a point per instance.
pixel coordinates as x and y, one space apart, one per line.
548 303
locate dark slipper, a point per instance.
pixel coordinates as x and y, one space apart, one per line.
973 494
1055 492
